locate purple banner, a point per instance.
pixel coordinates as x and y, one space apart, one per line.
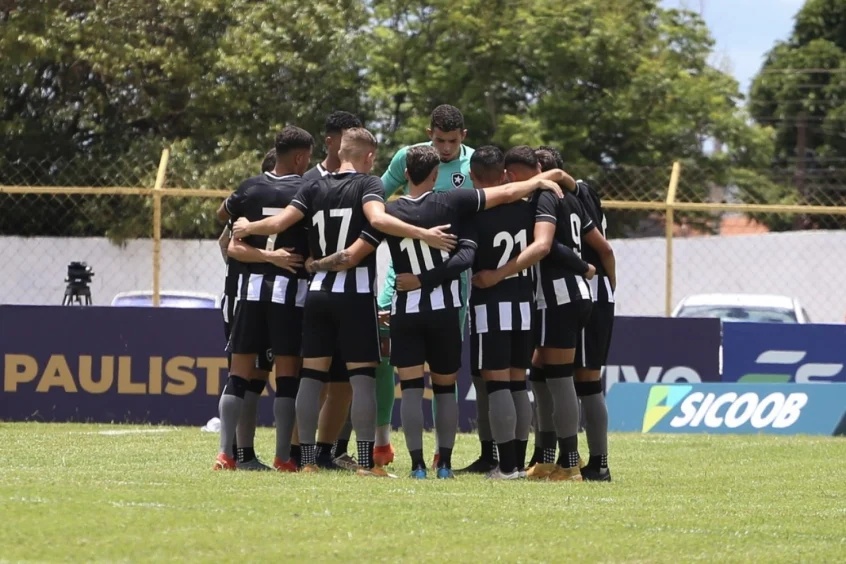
127 365
661 349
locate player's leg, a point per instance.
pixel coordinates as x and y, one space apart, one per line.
408 354
522 346
462 324
545 439
227 308
320 337
487 460
558 349
593 353
359 342
443 353
383 452
245 431
334 413
492 356
286 340
249 336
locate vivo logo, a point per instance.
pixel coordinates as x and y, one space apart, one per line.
653 375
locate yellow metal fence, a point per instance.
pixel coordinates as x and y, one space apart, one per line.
668 244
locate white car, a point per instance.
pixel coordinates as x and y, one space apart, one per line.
757 308
167 298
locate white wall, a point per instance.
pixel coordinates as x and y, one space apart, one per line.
809 265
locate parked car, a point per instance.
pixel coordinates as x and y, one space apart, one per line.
729 308
167 298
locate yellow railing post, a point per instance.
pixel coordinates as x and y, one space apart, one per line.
157 226
670 222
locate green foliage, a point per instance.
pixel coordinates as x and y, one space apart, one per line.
102 86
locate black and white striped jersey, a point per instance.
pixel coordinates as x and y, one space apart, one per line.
556 284
256 198
334 210
600 285
454 207
501 234
231 286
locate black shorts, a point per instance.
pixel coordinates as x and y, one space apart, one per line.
501 350
432 337
228 305
341 323
263 326
560 327
596 337
338 370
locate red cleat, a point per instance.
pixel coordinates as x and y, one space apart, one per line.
284 466
383 455
224 462
435 460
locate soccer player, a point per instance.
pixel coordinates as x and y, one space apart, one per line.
334 425
245 432
425 314
446 133
596 337
269 315
564 305
340 310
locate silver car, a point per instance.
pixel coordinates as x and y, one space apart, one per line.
756 308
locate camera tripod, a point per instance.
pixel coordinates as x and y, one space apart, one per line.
75 292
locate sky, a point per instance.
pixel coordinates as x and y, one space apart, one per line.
745 30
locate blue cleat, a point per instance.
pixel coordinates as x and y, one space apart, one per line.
445 474
418 474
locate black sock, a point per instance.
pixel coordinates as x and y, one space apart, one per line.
520 452
341 446
307 454
568 455
537 455
599 462
548 445
245 454
444 457
323 453
507 456
487 451
296 455
417 460
365 454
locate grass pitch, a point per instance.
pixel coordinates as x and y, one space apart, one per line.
108 493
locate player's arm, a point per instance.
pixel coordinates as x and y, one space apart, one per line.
223 243
567 257
386 296
272 225
560 177
606 254
394 178
459 261
513 191
348 258
282 257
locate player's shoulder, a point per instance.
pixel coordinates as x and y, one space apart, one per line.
258 180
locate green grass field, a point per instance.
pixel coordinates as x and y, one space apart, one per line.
98 493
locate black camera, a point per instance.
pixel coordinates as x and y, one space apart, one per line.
79 273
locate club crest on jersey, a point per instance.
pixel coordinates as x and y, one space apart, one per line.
458 179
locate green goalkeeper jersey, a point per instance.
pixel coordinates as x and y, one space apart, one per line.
454 174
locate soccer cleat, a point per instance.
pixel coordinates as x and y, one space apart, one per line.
479 466
497 474
327 464
346 462
591 474
285 466
541 471
445 474
310 469
418 474
224 462
254 465
375 472
566 475
383 455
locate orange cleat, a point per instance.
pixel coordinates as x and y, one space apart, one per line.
284 466
383 455
310 469
435 460
224 462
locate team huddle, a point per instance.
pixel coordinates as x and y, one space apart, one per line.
510 238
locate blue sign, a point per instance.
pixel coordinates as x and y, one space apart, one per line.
781 353
786 409
657 350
